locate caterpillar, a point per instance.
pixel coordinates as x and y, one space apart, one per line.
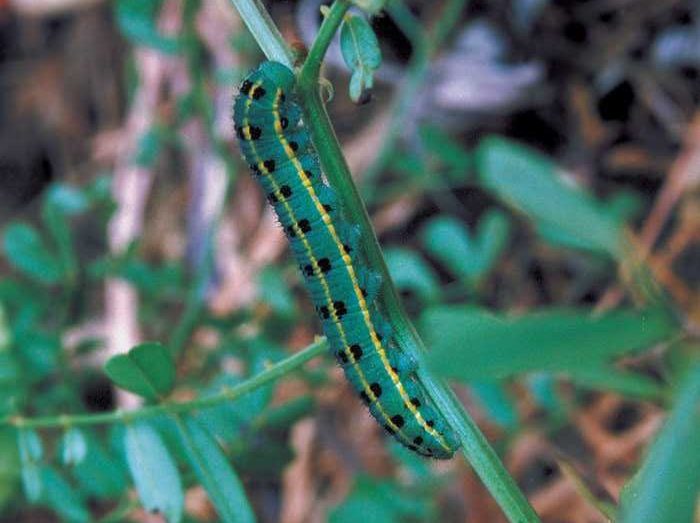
277 147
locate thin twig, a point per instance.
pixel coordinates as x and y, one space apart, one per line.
228 394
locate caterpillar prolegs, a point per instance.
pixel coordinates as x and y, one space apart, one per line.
280 154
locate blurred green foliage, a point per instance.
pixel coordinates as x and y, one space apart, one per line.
665 489
361 53
54 285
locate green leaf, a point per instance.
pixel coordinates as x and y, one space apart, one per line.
532 184
275 292
147 370
137 21
626 383
375 501
411 272
666 488
370 6
466 256
5 332
215 473
361 53
30 452
149 146
451 153
499 406
61 497
284 416
66 199
26 252
61 202
154 472
38 352
99 474
10 469
472 344
227 420
73 447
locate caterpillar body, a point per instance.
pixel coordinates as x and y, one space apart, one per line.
277 147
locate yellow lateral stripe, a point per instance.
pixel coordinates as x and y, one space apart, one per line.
361 299
358 293
326 289
291 155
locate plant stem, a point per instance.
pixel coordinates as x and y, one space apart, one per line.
474 445
264 31
229 394
311 70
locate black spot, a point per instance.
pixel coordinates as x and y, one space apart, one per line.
324 264
412 447
308 270
347 248
304 225
364 292
293 146
397 420
365 397
286 191
416 402
376 389
284 122
259 93
340 309
272 198
283 97
388 428
245 87
254 167
324 312
395 370
327 207
97 394
291 231
239 132
418 440
308 174
430 423
429 452
380 338
255 132
269 165
356 350
342 355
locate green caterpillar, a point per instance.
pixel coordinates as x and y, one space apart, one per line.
282 159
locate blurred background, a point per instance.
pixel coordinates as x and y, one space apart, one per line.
532 171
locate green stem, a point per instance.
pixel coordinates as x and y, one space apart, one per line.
474 445
274 372
311 70
264 30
